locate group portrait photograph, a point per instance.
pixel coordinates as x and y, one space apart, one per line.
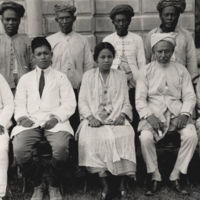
100 100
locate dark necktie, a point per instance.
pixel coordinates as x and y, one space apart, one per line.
41 83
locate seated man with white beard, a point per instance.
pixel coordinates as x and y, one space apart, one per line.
165 100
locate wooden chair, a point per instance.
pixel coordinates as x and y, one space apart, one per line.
8 191
171 141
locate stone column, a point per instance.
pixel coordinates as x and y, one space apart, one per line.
197 29
34 18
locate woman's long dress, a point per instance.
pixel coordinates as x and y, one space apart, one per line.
107 149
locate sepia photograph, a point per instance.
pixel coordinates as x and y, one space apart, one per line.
99 100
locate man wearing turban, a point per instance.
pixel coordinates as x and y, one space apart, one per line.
72 54
165 100
15 53
130 56
185 51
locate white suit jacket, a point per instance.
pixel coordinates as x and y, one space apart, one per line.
57 99
152 97
6 103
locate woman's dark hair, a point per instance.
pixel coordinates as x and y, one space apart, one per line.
103 45
39 42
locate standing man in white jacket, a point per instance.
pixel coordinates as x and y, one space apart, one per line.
72 54
130 56
44 103
6 112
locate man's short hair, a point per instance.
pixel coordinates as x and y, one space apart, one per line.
39 42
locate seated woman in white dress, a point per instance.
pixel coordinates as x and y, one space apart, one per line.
106 138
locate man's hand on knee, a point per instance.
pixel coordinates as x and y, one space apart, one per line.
155 122
26 122
181 121
50 124
1 130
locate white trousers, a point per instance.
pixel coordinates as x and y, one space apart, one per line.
189 141
4 147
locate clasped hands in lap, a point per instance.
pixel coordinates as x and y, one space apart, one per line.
2 131
156 124
119 121
26 122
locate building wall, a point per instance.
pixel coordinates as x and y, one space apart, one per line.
197 23
93 17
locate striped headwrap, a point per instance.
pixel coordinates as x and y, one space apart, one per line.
122 9
179 4
63 8
18 8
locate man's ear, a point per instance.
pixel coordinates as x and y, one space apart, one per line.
74 19
129 21
51 54
113 22
153 50
160 13
56 19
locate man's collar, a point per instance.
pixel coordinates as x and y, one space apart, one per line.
176 29
121 37
46 71
163 65
14 36
67 36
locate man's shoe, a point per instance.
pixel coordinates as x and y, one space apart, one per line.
54 193
154 187
103 196
38 192
177 188
124 195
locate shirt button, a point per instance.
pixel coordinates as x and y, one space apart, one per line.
105 92
68 68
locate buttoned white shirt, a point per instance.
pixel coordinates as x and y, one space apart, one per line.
131 46
72 55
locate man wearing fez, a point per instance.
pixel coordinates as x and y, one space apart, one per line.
165 100
185 51
72 54
15 52
130 56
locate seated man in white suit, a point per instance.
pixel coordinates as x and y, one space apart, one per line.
44 102
165 100
6 112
